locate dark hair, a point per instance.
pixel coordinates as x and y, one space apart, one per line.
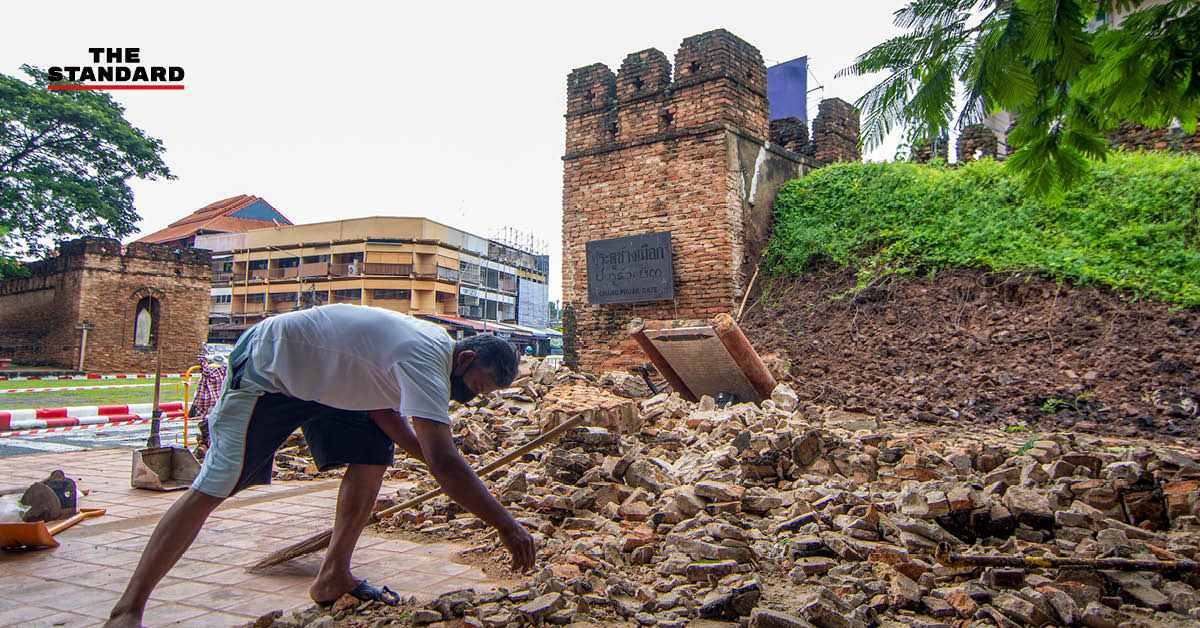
492 354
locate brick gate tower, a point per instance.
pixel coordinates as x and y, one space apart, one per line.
649 151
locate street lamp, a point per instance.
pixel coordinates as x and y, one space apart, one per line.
299 280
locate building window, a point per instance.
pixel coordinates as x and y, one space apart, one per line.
283 297
344 295
385 293
218 299
255 298
145 322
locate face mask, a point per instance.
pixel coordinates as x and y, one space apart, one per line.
459 391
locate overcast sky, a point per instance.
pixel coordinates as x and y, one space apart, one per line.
449 110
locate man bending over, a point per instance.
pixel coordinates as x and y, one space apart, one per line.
356 380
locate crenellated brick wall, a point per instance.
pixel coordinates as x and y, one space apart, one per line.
1134 136
834 138
791 133
93 280
977 138
649 149
835 132
926 152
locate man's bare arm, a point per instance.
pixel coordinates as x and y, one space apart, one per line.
462 485
397 428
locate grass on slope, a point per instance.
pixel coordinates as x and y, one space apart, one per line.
1134 225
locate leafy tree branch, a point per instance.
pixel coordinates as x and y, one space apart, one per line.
66 158
1067 79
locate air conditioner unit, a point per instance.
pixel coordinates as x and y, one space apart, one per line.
354 267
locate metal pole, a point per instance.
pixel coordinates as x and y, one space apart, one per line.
946 557
82 348
154 442
246 290
744 354
299 263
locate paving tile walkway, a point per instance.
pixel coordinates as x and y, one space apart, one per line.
77 583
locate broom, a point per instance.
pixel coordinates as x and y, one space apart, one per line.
320 541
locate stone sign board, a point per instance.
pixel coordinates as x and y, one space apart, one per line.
630 269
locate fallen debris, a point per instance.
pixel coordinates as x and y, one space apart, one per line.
668 513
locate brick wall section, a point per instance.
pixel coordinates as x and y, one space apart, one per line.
977 137
1128 136
37 311
1134 136
92 279
646 152
925 152
790 133
835 132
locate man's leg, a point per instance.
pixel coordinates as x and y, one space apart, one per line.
173 535
356 499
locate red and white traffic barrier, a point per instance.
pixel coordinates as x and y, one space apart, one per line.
28 378
128 419
30 390
35 418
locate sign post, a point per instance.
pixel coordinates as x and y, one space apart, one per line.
84 326
631 269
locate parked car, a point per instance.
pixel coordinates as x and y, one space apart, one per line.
217 352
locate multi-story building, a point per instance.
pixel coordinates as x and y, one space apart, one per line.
465 282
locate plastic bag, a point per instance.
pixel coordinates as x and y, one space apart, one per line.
11 509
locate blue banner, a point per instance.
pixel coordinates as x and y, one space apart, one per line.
787 89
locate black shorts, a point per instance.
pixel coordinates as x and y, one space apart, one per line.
248 425
335 437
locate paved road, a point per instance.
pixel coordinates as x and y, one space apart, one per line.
102 437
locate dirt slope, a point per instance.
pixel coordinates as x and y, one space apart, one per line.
1005 349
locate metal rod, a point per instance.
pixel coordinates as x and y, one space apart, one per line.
749 287
154 441
946 557
82 347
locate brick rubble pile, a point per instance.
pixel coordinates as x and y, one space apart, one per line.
666 513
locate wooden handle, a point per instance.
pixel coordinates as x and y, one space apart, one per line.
84 513
486 469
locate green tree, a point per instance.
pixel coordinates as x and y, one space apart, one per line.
66 158
1066 81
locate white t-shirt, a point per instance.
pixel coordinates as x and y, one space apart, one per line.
355 357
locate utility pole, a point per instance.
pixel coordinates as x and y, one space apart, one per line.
299 269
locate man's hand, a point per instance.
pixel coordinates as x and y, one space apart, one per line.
462 485
520 544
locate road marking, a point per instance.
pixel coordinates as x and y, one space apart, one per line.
42 445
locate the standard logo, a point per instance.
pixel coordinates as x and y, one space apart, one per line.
123 69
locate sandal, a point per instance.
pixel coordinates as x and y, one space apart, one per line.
368 593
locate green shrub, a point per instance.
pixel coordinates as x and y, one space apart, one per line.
1134 225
